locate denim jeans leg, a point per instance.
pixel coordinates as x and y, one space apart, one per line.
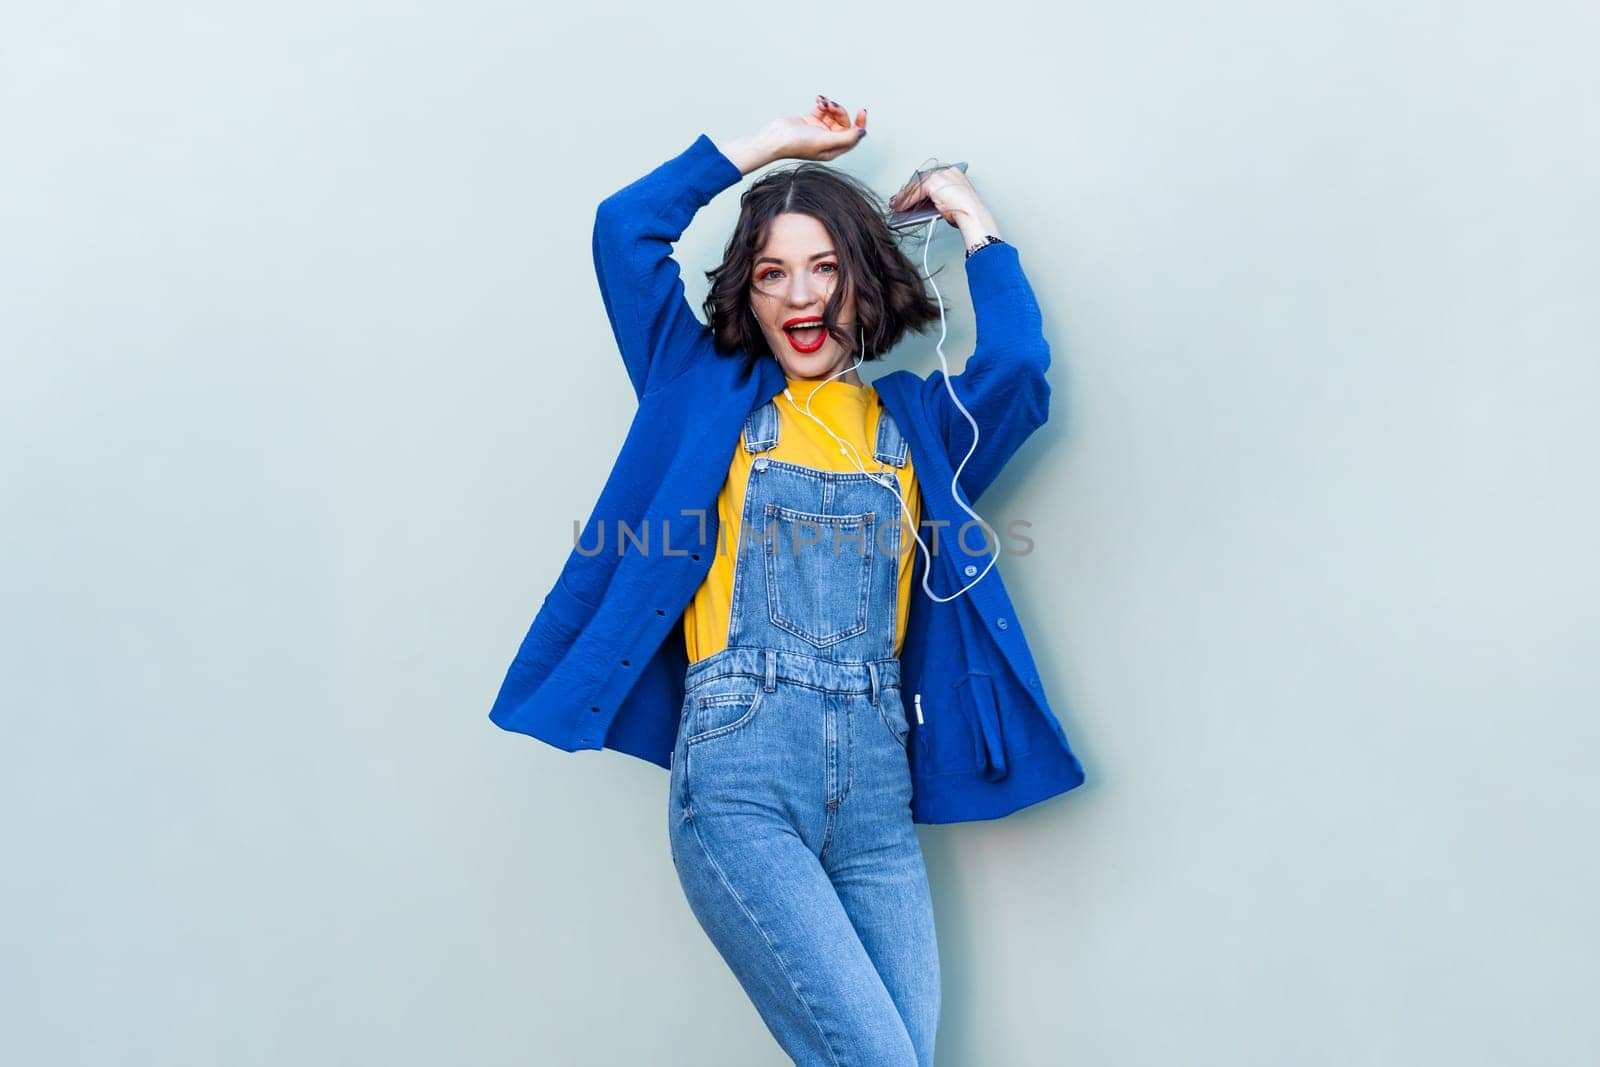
765 902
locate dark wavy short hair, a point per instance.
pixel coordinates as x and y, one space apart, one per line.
889 292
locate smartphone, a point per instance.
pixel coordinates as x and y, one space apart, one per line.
923 210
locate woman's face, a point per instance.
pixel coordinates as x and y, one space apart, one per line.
794 274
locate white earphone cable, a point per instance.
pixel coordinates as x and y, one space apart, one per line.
888 480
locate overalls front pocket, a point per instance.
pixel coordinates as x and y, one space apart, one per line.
723 711
819 572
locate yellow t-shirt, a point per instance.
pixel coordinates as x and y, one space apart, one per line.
852 412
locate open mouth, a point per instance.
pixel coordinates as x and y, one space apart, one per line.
805 335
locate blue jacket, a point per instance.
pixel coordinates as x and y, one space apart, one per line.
602 665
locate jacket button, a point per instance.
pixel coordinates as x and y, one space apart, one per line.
1001 622
971 570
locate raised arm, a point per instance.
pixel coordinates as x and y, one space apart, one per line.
1003 384
635 228
640 283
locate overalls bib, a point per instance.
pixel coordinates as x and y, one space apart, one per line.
790 795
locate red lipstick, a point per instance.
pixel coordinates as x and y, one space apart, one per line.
822 334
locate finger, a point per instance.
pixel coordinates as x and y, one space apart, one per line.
836 113
908 194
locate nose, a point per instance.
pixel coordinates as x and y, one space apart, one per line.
803 291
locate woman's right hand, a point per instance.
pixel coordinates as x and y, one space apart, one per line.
824 133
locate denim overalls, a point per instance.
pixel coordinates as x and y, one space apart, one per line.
790 796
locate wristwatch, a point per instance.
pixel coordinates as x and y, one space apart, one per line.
988 239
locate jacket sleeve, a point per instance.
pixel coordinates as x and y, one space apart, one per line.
1003 383
634 230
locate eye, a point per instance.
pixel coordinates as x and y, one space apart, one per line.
832 268
764 275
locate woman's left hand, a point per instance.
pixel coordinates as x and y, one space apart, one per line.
952 194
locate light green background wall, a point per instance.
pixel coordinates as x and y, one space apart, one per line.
307 376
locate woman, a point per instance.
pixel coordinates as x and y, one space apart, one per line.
790 823
795 773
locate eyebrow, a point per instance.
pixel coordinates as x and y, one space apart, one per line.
771 259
